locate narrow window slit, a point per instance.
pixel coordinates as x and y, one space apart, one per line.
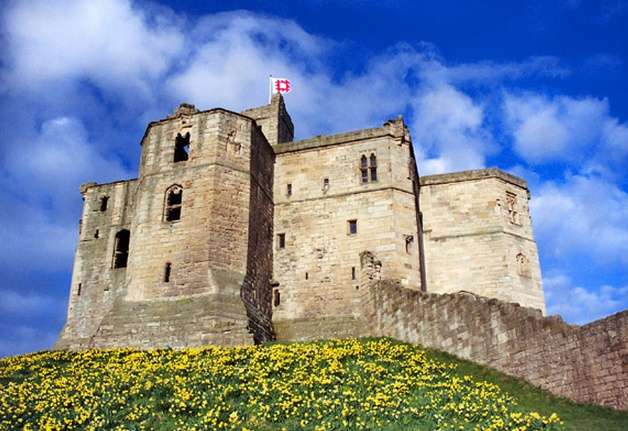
353 273
281 240
276 297
167 271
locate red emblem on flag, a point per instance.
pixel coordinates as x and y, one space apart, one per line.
282 86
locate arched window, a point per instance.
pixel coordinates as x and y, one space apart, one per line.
364 173
373 167
174 197
121 249
182 147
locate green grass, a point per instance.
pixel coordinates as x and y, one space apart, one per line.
366 384
577 417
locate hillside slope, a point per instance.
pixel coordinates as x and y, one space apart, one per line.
339 384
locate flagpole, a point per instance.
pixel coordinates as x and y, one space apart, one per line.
270 89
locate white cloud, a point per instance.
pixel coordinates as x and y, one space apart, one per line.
449 131
564 128
59 158
578 305
582 216
41 207
110 42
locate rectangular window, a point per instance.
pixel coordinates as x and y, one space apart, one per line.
276 298
325 184
167 271
281 240
289 190
103 203
306 275
78 290
353 273
352 227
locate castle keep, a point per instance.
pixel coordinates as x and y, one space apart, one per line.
234 233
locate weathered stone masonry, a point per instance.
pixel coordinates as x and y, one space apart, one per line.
234 233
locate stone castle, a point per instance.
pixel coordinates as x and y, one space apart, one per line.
234 233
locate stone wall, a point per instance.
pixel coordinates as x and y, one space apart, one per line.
318 190
256 289
587 364
478 236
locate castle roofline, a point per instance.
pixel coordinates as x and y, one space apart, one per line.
189 110
393 128
90 185
476 174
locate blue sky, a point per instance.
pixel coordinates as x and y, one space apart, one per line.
537 88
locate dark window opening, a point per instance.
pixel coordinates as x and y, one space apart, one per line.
97 233
103 203
373 167
306 275
281 240
78 289
409 243
353 227
325 184
364 173
289 190
182 147
353 273
121 249
174 199
167 270
276 297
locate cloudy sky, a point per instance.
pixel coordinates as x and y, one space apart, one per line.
537 88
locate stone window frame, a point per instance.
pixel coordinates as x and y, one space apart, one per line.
325 185
368 168
182 147
121 245
289 190
167 272
373 167
364 172
170 208
523 265
352 227
104 201
409 241
281 241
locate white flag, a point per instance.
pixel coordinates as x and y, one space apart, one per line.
280 85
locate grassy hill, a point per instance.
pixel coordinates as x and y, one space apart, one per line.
369 384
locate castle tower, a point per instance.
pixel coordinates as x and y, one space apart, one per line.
187 245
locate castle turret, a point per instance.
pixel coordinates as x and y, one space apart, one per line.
274 120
